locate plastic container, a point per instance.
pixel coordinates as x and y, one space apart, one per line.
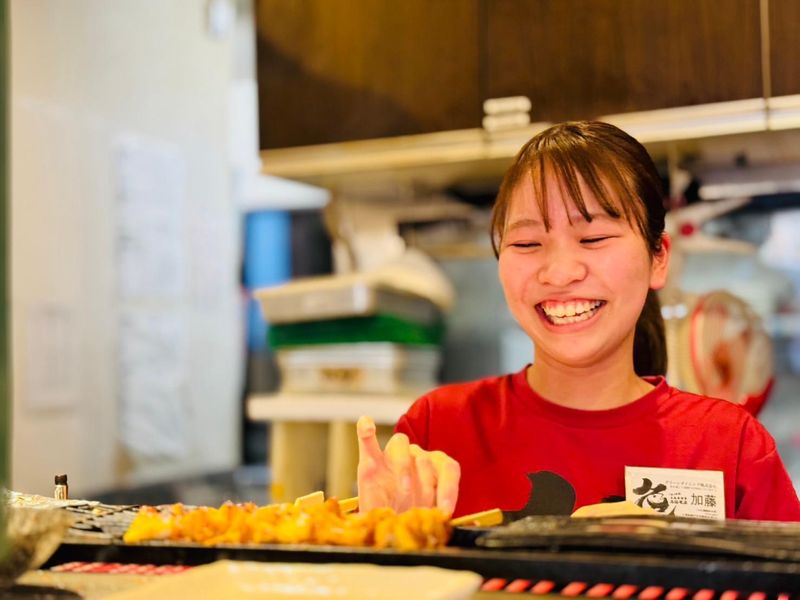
369 368
339 297
355 330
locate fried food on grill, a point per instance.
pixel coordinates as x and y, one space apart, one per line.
415 529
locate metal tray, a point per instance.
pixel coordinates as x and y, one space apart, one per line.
97 538
693 572
652 533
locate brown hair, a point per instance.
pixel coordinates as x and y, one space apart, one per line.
622 177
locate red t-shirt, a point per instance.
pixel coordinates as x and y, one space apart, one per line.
500 431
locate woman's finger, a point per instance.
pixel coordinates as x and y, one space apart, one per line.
398 458
448 475
370 456
425 492
376 485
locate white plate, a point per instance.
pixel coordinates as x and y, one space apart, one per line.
234 580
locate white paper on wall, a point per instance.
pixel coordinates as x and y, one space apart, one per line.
150 189
152 383
209 275
49 361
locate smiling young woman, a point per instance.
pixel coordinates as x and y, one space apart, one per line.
578 228
577 287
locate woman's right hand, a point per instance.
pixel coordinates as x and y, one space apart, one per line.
403 475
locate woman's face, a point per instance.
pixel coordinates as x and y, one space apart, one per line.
577 289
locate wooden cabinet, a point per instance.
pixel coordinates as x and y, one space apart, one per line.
338 70
784 43
586 58
334 70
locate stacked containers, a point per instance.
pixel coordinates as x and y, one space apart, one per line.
346 335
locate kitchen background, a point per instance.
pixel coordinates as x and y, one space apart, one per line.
169 158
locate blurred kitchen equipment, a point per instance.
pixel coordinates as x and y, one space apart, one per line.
342 296
374 368
61 491
365 340
33 535
716 343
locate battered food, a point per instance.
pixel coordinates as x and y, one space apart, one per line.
415 529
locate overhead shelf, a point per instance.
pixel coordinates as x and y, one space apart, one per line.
693 122
472 154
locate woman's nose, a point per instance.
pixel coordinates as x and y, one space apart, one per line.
561 268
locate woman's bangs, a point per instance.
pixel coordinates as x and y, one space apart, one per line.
611 182
605 183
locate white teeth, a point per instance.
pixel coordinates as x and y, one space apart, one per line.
570 312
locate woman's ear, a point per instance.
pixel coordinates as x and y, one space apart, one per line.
660 263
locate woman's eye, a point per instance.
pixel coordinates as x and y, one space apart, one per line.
595 240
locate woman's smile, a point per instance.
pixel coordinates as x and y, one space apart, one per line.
569 312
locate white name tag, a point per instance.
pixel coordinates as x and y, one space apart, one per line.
679 492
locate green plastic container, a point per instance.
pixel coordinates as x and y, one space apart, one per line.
375 328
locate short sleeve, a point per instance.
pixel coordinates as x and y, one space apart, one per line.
415 423
764 490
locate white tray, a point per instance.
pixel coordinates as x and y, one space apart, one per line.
338 297
368 367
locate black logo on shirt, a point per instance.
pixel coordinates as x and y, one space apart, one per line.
551 494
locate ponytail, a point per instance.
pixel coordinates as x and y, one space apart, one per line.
650 340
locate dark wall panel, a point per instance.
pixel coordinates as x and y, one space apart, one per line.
584 58
334 70
784 27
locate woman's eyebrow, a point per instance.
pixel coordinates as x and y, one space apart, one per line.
524 223
576 216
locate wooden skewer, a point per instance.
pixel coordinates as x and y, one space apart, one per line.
312 499
486 518
316 498
349 505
